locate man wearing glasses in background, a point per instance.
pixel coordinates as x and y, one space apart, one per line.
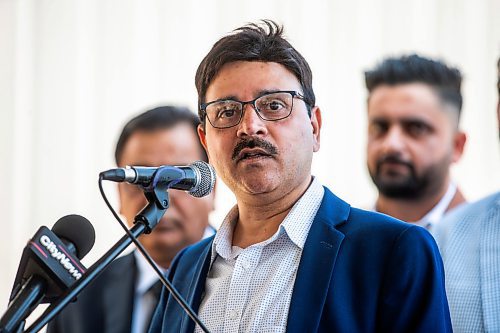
291 256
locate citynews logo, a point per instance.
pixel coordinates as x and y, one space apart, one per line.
60 257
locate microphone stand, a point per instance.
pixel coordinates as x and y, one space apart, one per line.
145 221
88 277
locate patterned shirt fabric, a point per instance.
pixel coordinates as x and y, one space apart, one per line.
469 240
249 290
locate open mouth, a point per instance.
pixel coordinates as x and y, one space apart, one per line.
253 149
252 154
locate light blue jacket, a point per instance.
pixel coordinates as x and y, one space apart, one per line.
469 240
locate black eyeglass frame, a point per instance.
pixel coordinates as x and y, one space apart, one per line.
293 93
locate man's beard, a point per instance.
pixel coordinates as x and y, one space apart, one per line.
413 185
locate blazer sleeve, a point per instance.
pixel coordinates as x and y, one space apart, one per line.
413 294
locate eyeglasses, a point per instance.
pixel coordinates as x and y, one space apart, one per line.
270 106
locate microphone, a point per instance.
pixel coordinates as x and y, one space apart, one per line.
197 178
49 266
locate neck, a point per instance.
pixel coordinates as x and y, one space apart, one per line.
261 215
410 210
164 264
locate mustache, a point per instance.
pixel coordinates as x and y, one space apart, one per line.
171 222
393 159
268 147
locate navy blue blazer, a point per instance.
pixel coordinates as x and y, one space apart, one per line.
360 271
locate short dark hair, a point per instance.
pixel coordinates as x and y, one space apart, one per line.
444 79
254 42
163 117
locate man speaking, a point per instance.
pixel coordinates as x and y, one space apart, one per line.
291 256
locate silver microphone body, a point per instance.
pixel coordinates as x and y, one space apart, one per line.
197 178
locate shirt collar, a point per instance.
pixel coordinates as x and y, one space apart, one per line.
437 212
305 209
296 224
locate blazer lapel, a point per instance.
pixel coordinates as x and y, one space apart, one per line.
197 286
118 296
316 265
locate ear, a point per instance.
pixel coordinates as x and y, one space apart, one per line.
458 145
202 136
316 127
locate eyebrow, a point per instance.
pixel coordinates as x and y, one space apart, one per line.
399 120
259 94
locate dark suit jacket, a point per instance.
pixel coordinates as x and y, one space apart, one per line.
359 272
105 306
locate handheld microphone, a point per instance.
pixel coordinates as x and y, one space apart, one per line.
197 178
49 266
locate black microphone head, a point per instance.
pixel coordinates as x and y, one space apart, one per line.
77 230
207 179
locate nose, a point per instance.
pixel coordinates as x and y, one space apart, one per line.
251 124
394 141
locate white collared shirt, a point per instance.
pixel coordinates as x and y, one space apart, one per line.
249 290
437 212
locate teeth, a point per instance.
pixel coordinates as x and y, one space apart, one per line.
252 155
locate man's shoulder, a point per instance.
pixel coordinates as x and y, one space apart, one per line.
191 254
368 226
199 247
117 269
386 228
121 263
468 219
357 218
376 219
483 205
476 210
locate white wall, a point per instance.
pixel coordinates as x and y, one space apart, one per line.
73 72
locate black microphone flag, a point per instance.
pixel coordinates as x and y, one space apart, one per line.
50 264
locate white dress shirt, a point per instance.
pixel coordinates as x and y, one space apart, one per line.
437 212
249 290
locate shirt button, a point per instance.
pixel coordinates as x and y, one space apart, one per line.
233 314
